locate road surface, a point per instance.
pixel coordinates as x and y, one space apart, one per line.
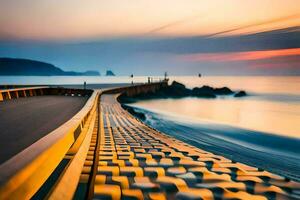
25 120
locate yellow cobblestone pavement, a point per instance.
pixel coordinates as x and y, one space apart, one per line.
129 160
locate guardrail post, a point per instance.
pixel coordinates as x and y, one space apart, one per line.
30 93
1 96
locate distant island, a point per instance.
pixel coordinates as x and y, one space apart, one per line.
110 73
25 67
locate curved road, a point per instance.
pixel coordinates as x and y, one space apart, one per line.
25 120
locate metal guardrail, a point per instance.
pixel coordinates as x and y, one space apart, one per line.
24 174
15 93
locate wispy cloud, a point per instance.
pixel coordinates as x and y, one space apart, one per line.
253 25
173 24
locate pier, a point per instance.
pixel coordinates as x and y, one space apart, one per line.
103 152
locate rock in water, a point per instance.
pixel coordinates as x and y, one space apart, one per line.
223 91
110 73
240 94
204 91
177 90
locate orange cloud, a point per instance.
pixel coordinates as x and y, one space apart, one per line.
241 56
266 66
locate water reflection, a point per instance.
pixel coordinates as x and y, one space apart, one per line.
273 117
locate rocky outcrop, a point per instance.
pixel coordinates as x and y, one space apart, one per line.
240 94
109 73
204 91
223 91
178 90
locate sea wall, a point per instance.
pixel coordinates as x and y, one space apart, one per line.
133 90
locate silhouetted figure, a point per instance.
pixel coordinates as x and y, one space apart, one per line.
84 85
199 75
149 80
166 75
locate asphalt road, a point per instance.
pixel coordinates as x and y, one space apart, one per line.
24 121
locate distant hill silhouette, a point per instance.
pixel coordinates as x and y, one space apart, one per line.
25 67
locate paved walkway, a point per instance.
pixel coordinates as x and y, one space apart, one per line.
128 160
25 120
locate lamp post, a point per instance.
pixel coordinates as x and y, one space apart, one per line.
131 79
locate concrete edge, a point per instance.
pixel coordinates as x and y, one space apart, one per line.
67 183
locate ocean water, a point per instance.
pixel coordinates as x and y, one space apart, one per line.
272 104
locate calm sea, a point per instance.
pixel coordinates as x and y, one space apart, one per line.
272 104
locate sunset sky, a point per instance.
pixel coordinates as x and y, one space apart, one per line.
215 37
